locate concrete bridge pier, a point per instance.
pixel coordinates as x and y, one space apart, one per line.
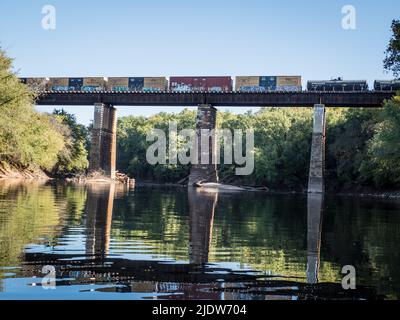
104 140
206 167
316 183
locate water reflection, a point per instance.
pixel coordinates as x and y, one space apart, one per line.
201 217
177 244
315 204
99 210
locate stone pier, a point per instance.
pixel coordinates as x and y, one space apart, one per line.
316 183
104 140
206 168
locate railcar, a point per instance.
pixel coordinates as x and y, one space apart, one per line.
387 85
337 85
143 84
268 83
200 84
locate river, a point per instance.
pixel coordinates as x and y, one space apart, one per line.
108 242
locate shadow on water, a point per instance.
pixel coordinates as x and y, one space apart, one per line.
198 279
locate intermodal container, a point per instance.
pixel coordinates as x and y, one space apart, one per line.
246 83
75 84
155 84
93 84
35 82
58 84
288 83
255 83
136 83
200 84
146 84
118 84
268 83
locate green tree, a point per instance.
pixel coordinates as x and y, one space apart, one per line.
347 141
392 60
74 156
27 138
132 145
384 148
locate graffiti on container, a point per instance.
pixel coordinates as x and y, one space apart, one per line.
252 89
91 88
181 87
61 88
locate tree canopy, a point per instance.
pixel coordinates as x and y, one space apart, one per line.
28 138
392 60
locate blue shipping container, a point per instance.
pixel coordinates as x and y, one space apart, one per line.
268 82
136 84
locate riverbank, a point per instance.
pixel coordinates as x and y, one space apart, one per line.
12 171
15 172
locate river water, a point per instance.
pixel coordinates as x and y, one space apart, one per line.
108 242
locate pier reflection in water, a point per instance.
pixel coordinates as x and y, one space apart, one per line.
201 217
184 244
315 204
99 210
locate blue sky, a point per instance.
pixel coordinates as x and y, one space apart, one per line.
177 37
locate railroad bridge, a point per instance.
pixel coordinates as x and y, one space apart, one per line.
103 151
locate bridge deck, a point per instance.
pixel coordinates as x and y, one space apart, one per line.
369 99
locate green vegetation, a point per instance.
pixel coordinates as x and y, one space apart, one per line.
392 60
362 146
33 210
74 156
383 154
27 138
132 145
30 139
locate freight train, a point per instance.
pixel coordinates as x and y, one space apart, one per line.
252 84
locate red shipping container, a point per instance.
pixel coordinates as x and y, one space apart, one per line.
204 84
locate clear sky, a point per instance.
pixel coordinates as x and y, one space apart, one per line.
207 37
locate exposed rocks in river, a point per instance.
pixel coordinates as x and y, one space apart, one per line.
225 187
100 177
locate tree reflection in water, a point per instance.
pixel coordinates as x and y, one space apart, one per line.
100 232
196 280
